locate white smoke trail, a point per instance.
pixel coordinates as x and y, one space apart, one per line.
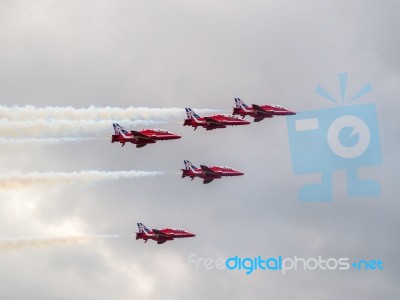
18 180
64 128
23 243
33 113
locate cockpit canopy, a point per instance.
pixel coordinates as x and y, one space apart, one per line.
178 229
161 130
224 167
278 106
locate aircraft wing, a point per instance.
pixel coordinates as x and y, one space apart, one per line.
259 117
212 121
141 137
208 180
208 171
259 110
162 234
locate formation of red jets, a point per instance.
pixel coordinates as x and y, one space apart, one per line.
208 174
151 136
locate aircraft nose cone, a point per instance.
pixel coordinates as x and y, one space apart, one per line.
175 136
240 173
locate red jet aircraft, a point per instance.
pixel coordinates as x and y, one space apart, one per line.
207 173
212 122
141 138
162 235
260 112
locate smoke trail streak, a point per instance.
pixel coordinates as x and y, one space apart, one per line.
40 141
23 243
63 128
32 113
18 181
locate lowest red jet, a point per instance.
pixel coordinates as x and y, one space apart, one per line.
212 122
260 112
141 138
162 235
208 174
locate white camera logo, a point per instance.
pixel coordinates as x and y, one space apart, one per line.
359 127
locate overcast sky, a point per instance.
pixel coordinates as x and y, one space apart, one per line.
176 54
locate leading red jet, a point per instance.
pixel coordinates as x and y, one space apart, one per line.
260 112
211 122
208 174
141 138
162 235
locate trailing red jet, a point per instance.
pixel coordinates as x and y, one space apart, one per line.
208 174
141 138
162 235
260 112
211 122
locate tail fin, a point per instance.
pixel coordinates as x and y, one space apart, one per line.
240 104
143 229
189 166
118 129
191 114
